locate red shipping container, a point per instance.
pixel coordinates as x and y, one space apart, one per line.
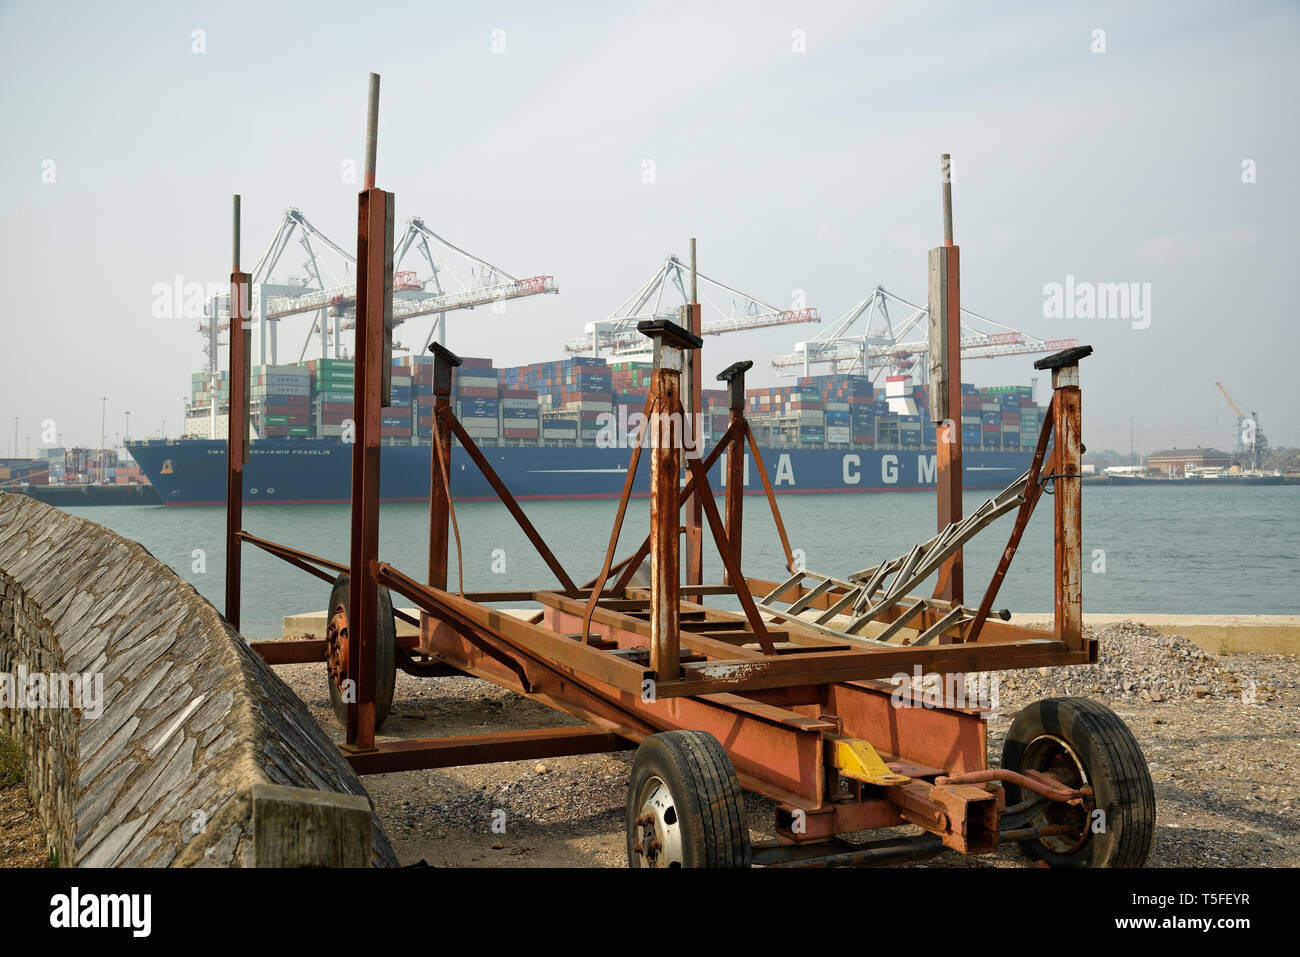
521 433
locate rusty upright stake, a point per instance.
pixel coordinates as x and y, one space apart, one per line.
236 423
695 406
734 479
373 369
945 386
671 342
1067 410
444 361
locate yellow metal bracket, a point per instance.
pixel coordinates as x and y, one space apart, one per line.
857 759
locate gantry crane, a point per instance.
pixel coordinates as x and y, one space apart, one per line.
618 334
482 284
888 349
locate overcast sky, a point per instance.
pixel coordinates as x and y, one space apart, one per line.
798 141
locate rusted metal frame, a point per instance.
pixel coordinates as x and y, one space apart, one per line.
665 505
995 631
963 816
470 749
508 500
776 671
945 293
374 338
237 446
784 587
705 495
443 466
737 669
694 559
838 853
815 592
1040 783
735 477
1068 506
953 617
738 631
598 583
771 496
297 558
918 567
520 636
1033 489
776 752
444 362
631 630
901 621
633 562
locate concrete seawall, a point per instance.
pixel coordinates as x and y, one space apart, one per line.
152 735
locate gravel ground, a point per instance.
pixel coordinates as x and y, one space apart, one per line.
1220 735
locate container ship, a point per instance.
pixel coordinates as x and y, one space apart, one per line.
559 430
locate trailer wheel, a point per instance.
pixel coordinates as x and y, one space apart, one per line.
337 635
1081 741
684 805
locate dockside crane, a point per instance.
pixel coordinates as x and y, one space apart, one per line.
1250 438
659 297
458 280
884 344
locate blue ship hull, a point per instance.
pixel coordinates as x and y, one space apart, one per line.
319 471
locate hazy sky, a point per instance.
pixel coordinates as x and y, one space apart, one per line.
813 170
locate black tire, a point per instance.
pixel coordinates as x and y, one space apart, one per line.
703 804
1100 749
385 652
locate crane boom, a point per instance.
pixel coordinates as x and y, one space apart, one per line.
1235 408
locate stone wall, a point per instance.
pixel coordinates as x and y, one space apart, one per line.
165 767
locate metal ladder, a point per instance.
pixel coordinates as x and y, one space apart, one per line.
903 574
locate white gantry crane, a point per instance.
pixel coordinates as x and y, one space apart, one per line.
897 342
726 310
457 280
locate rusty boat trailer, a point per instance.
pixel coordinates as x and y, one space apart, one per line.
785 698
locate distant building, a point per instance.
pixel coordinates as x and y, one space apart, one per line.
1174 462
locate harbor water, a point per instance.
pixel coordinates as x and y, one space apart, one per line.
1213 550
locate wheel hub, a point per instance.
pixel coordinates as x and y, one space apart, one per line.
336 647
1052 755
658 827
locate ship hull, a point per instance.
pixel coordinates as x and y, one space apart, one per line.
316 471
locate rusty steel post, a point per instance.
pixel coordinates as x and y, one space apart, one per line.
236 423
695 406
671 342
1067 408
373 348
734 478
945 397
439 505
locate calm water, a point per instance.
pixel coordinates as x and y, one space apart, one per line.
1177 550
